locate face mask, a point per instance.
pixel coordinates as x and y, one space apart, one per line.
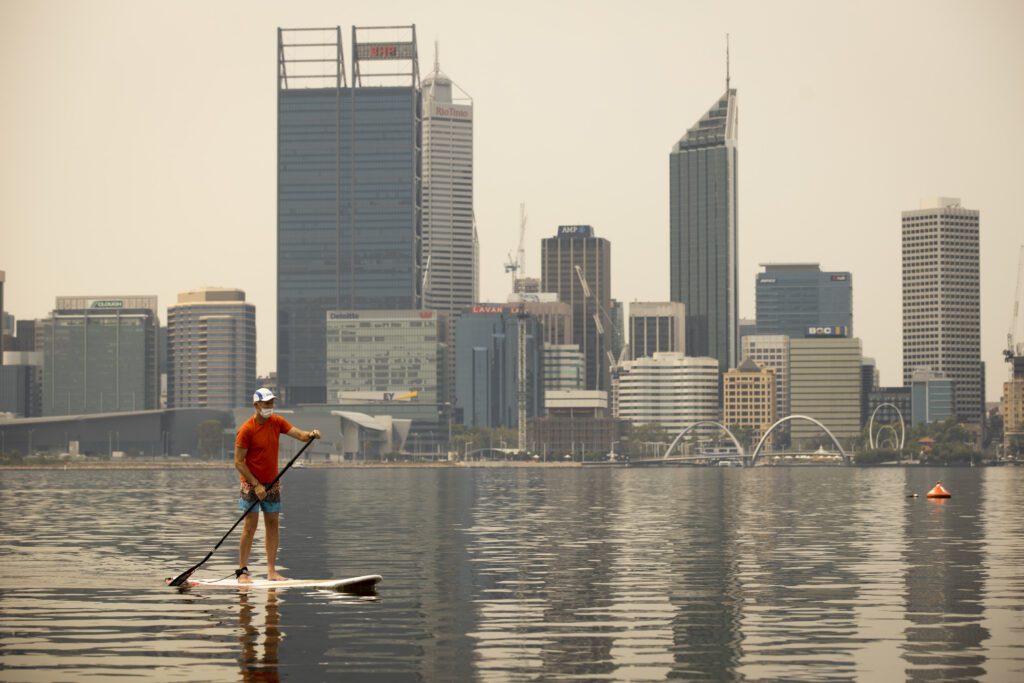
265 412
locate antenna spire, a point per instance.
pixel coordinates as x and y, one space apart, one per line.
437 57
727 63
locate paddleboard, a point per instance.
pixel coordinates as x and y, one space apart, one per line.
350 584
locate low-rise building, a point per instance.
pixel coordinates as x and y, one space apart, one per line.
577 423
748 399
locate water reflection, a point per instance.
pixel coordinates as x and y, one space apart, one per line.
522 574
945 582
259 635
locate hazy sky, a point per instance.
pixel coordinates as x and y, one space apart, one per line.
138 139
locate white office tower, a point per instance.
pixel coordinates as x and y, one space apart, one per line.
211 348
668 389
941 299
449 255
771 351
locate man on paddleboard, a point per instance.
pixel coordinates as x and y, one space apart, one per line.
256 461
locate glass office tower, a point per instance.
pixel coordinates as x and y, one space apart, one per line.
348 188
100 355
792 297
702 237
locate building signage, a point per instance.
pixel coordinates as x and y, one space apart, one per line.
828 331
107 303
486 309
575 231
337 315
384 51
452 111
766 281
839 278
426 315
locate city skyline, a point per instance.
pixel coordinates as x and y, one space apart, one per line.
843 130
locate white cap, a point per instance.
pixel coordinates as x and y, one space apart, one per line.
263 394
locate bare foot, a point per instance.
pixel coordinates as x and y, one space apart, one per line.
244 578
274 576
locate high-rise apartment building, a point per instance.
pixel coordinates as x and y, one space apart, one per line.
748 399
668 389
387 355
792 297
100 355
211 350
941 299
576 265
702 233
348 189
449 233
772 351
656 326
825 383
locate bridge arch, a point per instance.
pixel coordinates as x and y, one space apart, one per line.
882 430
721 426
764 437
871 425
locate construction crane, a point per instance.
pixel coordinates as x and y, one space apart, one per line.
598 325
1014 352
513 266
519 263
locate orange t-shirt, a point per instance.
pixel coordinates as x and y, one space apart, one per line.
262 441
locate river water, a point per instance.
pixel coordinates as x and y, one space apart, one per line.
817 573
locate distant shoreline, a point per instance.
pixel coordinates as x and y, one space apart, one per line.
440 464
61 466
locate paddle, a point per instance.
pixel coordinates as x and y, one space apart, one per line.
183 577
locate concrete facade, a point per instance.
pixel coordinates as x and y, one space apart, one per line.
825 383
668 389
211 350
942 299
656 326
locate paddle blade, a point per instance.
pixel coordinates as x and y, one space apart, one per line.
183 577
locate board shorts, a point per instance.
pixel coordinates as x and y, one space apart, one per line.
271 503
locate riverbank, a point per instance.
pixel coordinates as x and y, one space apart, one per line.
174 465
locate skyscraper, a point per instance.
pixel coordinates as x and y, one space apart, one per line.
941 299
573 257
702 232
449 234
211 349
348 189
792 297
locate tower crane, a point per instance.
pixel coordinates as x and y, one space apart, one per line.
519 263
513 267
1014 352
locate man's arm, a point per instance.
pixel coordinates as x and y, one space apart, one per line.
244 470
297 433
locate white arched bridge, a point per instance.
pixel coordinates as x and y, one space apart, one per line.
740 455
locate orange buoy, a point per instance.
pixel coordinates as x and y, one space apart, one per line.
938 492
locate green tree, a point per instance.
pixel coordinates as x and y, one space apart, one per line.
638 438
209 437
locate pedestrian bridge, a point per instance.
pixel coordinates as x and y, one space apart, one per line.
739 455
